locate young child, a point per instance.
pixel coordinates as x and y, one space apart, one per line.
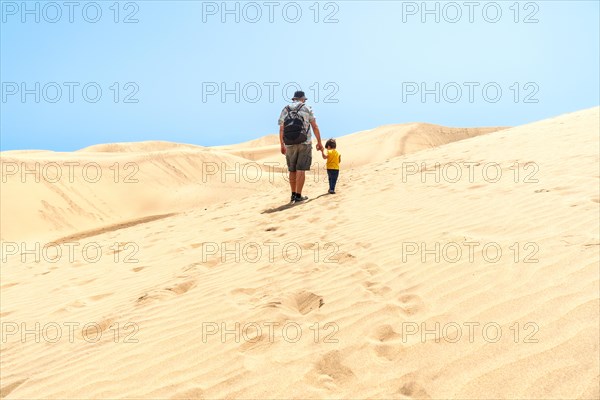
333 163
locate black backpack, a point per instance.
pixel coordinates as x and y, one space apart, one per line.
293 127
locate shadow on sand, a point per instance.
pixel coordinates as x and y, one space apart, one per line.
289 205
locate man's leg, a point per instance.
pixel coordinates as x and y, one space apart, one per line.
291 157
299 181
303 165
293 181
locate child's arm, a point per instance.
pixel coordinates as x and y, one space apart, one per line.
340 159
323 154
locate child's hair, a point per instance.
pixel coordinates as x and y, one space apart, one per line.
330 144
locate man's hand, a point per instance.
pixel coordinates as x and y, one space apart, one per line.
319 146
281 142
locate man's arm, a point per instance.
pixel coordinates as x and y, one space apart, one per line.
315 127
282 145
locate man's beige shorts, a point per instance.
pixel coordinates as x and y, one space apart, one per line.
298 157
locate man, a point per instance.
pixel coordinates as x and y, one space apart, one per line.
298 155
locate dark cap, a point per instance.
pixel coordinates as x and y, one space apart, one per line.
299 95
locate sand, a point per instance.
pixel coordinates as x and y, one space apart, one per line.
411 282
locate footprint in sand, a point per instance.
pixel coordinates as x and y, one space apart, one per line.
386 342
411 304
76 304
377 288
371 268
182 287
385 333
331 367
339 257
138 269
309 246
410 387
302 302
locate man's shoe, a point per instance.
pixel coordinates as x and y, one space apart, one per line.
300 198
293 199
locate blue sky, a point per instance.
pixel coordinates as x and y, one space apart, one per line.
362 64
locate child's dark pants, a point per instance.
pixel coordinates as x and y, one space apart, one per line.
333 174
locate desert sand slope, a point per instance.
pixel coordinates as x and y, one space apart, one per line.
267 140
350 282
365 147
47 194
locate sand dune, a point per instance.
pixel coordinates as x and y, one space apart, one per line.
135 147
360 278
66 193
267 140
92 187
368 146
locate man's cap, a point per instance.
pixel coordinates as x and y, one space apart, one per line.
299 95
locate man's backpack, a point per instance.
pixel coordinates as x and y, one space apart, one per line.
293 127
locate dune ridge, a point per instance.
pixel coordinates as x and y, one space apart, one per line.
135 147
